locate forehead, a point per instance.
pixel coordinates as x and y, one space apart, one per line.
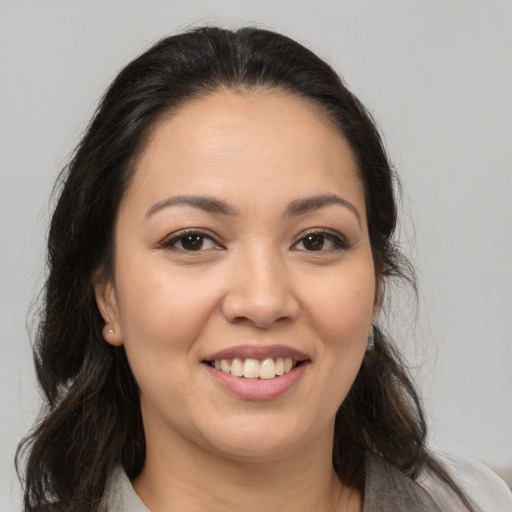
230 143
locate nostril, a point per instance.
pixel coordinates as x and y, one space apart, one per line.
259 311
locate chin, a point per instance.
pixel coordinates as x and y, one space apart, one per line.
260 440
256 448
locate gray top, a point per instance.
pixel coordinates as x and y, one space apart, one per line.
386 489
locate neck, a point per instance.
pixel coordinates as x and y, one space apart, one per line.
184 476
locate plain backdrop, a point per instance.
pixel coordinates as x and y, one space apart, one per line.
437 74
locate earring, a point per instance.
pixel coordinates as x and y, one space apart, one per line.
112 335
371 339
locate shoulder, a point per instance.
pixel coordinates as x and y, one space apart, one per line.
120 495
481 485
388 488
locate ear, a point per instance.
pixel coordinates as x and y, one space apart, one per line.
375 313
105 294
379 296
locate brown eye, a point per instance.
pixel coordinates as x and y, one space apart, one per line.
314 242
320 241
192 242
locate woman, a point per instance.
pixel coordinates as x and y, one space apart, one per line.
218 258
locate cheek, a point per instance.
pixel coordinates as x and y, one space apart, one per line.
161 311
340 311
343 306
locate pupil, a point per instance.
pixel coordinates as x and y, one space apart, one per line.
192 242
314 242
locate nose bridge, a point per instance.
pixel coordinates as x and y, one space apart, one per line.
261 291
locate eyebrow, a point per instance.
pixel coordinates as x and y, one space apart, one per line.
208 204
309 204
295 208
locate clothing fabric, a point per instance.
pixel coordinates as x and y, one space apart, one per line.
387 489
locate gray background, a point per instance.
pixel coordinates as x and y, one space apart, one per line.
438 77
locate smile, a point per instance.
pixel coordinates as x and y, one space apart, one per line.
250 368
257 371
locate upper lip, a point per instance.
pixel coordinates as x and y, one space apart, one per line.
257 352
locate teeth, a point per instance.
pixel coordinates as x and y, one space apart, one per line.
251 369
225 366
279 366
267 369
254 369
237 368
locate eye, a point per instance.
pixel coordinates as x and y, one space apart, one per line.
320 241
190 241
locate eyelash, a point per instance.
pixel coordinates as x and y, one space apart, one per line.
337 240
171 243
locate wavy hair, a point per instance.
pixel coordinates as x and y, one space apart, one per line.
91 419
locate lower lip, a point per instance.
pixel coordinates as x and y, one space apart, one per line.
258 389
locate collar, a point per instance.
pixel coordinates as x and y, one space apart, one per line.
387 489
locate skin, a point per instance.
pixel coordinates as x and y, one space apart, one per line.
255 281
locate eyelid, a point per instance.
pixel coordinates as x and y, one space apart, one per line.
170 240
335 237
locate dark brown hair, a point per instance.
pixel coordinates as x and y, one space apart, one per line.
91 420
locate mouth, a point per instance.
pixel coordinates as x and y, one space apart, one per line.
251 368
257 361
257 372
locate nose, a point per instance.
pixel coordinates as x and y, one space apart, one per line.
260 291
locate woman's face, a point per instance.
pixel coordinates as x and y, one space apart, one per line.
242 248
